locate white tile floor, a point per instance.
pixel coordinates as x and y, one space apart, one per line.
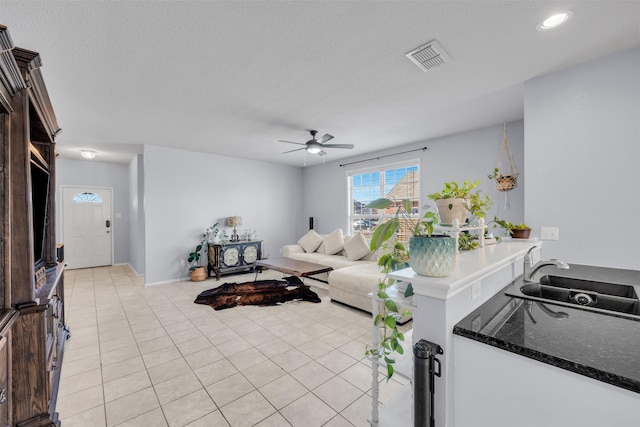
149 356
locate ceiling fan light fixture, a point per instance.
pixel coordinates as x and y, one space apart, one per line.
554 21
314 150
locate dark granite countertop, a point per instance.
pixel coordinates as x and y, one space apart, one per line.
599 346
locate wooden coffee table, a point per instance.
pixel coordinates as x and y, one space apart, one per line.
291 266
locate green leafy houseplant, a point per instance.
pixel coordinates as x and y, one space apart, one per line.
396 256
198 271
504 182
194 257
476 204
513 229
212 233
508 225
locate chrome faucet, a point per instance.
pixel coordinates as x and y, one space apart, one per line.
530 269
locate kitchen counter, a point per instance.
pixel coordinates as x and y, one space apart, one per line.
441 302
599 346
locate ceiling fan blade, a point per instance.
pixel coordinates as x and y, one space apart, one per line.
349 146
326 137
291 151
291 142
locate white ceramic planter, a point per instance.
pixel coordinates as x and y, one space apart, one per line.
449 209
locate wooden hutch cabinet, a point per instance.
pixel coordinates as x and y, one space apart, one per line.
32 327
232 257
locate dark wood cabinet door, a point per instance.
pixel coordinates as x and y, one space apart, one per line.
4 381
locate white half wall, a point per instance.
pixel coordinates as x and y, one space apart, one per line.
89 173
464 156
582 151
185 192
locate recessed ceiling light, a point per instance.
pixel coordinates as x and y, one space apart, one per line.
554 21
88 154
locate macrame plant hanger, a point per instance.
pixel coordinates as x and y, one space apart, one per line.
506 182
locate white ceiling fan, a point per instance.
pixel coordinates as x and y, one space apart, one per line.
316 146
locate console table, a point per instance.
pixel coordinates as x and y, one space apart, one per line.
233 256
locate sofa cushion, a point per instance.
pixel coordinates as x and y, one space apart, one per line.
314 257
339 261
356 247
310 241
334 242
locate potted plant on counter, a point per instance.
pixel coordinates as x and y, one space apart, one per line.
516 231
198 271
460 201
421 256
520 231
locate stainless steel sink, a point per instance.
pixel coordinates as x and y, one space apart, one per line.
608 298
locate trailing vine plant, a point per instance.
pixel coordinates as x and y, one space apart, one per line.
396 256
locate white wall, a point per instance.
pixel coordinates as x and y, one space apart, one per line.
470 155
185 192
136 214
582 151
89 173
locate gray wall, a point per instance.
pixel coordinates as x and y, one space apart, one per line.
136 214
465 156
582 154
581 142
185 192
98 174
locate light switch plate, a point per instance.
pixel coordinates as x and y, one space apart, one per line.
549 233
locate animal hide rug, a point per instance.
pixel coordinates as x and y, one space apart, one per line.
260 292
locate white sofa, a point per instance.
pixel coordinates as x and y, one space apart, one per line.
351 281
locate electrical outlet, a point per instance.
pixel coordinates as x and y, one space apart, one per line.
549 233
476 290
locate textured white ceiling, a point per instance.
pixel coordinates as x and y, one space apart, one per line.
233 77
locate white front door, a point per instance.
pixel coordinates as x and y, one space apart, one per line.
87 226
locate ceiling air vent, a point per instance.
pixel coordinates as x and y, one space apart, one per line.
429 56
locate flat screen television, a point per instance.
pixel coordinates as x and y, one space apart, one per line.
39 205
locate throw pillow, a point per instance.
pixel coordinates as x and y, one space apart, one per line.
310 241
334 242
356 247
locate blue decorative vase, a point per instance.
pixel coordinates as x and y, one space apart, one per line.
433 256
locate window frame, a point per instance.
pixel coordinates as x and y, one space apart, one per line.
381 215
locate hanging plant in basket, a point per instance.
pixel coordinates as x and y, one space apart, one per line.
505 182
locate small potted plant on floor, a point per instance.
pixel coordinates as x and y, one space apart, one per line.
198 271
